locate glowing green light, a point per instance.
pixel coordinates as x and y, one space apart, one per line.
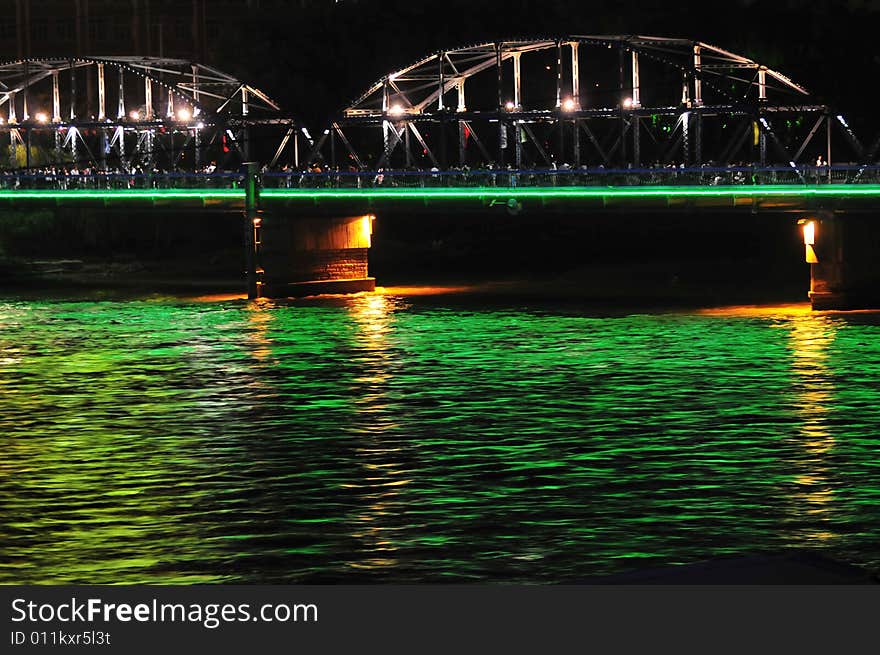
745 191
236 196
126 194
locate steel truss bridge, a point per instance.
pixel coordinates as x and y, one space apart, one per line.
614 101
125 113
571 111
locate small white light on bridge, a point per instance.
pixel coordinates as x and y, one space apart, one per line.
41 117
569 104
184 114
135 115
200 125
509 105
627 103
2 121
396 110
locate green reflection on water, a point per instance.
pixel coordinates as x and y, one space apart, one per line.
371 439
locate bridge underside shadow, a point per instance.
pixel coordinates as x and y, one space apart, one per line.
609 256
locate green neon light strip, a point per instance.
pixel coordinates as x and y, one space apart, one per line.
582 192
833 190
127 194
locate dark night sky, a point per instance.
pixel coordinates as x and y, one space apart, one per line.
334 51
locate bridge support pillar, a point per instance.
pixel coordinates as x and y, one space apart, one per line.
844 255
311 256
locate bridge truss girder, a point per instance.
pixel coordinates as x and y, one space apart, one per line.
126 112
672 101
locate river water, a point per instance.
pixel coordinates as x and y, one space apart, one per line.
393 438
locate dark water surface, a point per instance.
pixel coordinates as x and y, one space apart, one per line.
377 438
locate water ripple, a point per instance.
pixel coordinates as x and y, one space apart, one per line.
369 439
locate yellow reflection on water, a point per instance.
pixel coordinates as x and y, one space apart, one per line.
259 318
810 338
379 454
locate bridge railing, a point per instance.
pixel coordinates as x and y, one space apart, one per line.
577 177
456 178
120 181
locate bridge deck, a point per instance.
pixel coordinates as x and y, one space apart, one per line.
633 198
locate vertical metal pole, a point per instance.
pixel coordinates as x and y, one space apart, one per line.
517 102
698 138
517 81
462 153
149 115
621 87
698 83
462 105
296 149
575 77
828 145
24 109
637 145
56 98
195 80
197 132
636 95
559 73
148 99
120 142
332 148
685 137
386 126
502 125
761 125
251 227
245 131
27 148
517 146
560 124
762 84
102 114
13 119
120 107
197 147
72 92
406 145
440 83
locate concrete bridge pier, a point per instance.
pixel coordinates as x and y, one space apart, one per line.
291 256
310 256
843 250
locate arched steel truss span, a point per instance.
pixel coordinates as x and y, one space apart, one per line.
144 112
612 101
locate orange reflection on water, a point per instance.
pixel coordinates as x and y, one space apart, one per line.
219 297
791 310
758 311
425 290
